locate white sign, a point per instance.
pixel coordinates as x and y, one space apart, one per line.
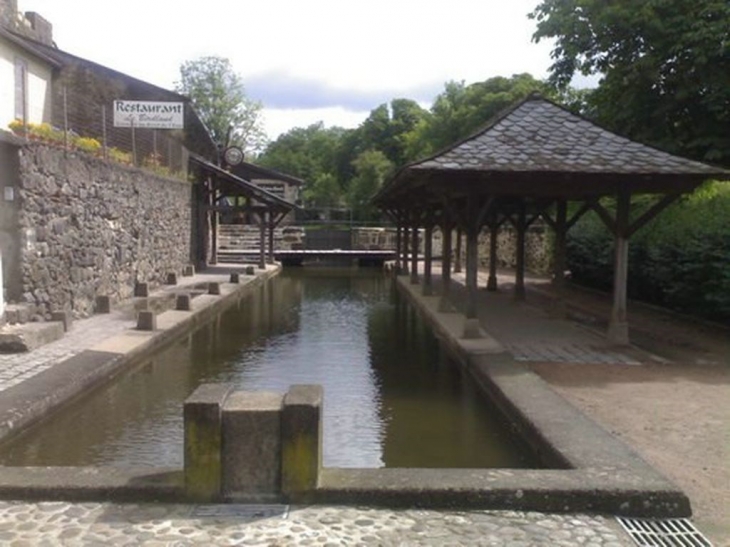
149 114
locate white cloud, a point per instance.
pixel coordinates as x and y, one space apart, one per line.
279 121
373 47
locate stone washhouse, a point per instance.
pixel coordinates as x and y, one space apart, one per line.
534 160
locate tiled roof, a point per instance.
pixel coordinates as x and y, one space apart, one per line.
539 136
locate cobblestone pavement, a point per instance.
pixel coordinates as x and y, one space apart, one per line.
91 524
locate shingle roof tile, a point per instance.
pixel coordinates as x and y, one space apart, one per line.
541 136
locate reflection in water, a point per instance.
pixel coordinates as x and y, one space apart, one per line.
391 398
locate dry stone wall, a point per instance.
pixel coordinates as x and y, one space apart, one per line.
89 227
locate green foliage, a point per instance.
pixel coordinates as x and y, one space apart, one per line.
460 110
309 153
323 192
680 260
219 97
665 67
371 169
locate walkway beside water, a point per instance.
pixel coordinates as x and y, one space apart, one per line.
177 524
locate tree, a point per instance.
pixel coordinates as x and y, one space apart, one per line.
305 152
219 97
461 109
665 67
371 169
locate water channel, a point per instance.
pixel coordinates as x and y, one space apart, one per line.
392 397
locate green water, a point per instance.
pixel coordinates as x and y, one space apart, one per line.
392 398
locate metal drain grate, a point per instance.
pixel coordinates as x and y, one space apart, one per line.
240 511
663 533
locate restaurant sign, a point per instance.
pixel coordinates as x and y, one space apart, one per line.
149 114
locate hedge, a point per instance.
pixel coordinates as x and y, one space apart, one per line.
680 260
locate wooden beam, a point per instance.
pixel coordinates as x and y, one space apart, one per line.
651 213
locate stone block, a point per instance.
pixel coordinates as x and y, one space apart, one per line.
214 287
235 278
103 304
64 317
202 416
146 320
171 279
182 302
301 438
141 289
27 337
189 271
250 270
251 445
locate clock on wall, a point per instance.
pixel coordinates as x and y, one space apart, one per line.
233 155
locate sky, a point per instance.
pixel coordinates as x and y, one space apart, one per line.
306 61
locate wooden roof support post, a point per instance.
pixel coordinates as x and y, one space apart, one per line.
406 248
521 227
560 229
213 220
262 240
447 228
476 212
272 226
428 258
618 327
398 246
414 251
493 226
457 251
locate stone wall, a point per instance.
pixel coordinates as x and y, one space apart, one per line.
538 249
88 227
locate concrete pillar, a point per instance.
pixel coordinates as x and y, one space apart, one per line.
146 320
202 413
103 304
251 446
182 302
64 317
427 260
301 433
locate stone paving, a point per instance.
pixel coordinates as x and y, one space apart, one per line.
525 333
91 524
60 523
85 333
